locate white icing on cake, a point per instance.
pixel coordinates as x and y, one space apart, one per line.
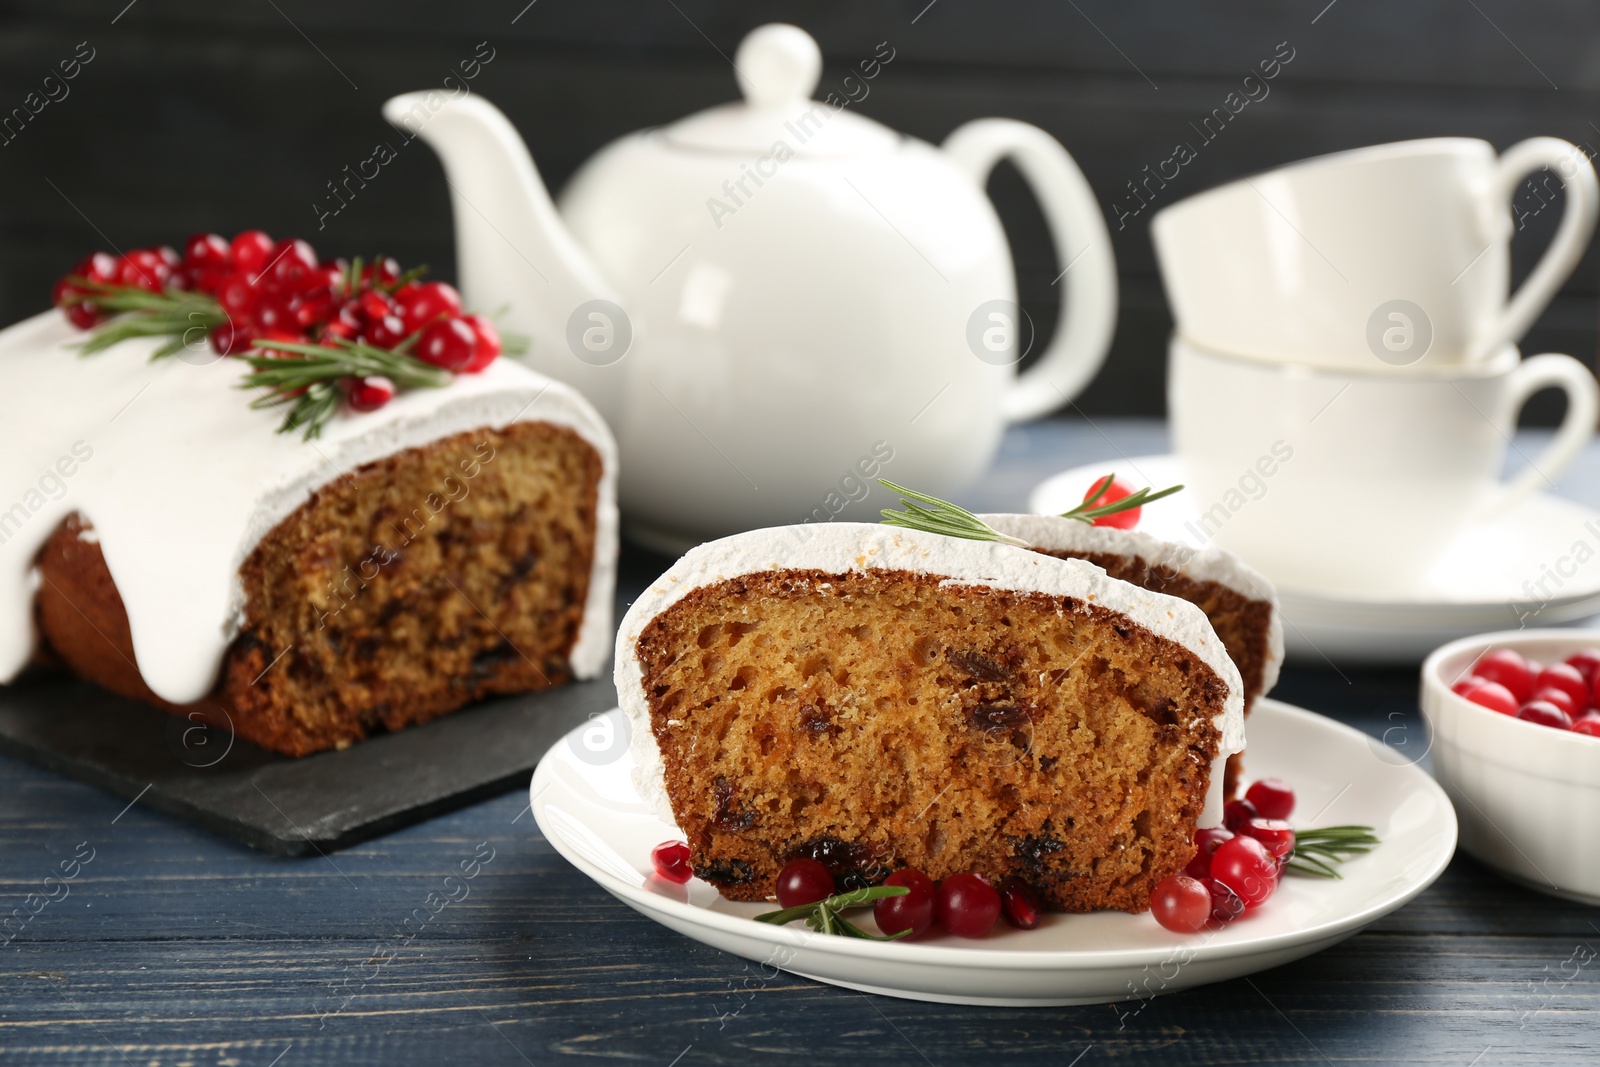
845 547
1210 564
181 479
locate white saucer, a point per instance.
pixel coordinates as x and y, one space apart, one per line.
1484 580
593 816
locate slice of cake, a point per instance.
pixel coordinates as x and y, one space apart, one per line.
877 698
1240 602
167 543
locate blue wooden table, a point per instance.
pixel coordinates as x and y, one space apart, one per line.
171 947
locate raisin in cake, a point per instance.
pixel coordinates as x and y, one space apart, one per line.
877 698
1239 600
159 538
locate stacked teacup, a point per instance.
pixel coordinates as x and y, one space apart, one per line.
1344 377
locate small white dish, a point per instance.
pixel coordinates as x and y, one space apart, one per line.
590 811
1518 568
1528 796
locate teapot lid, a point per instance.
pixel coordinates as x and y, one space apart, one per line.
778 66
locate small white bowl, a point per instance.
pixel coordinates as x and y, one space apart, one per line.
1527 796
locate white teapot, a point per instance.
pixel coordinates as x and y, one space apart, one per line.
774 300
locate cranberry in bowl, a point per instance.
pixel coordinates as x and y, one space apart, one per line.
1517 753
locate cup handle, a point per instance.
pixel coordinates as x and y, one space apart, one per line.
1083 248
1572 236
1583 406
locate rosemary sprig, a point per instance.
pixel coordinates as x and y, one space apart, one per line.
1088 511
310 383
930 514
1317 850
186 318
825 915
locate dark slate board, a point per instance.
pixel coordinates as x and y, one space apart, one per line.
281 805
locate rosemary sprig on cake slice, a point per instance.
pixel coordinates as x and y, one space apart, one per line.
826 916
932 515
311 382
1317 850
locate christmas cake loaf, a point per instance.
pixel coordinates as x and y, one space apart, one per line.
1240 602
878 698
160 538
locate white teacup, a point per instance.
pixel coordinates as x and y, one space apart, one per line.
1397 255
1354 483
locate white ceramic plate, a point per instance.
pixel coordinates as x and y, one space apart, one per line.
590 812
1481 581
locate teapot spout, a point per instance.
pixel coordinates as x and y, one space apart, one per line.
513 252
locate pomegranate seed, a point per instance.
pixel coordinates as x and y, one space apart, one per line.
1117 490
447 343
1509 669
1275 834
914 911
1559 697
1206 843
1243 865
1019 904
487 348
1542 713
1235 813
967 905
804 881
1181 904
1588 724
671 860
370 393
421 304
1493 696
1272 797
1226 905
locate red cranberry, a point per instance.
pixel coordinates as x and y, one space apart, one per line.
1235 813
1117 490
1181 904
1226 905
251 251
292 263
1493 696
1272 798
143 269
1543 713
1275 834
206 250
168 254
276 314
1559 697
96 267
380 273
1588 724
1244 866
370 393
237 295
85 316
671 860
421 304
376 305
229 339
967 905
487 348
447 343
914 911
1506 667
385 332
1206 843
1565 677
803 881
1019 905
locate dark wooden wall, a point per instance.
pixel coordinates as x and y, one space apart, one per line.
223 115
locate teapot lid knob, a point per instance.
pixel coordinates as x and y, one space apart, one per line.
776 64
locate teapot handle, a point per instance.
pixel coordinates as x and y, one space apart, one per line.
1082 246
